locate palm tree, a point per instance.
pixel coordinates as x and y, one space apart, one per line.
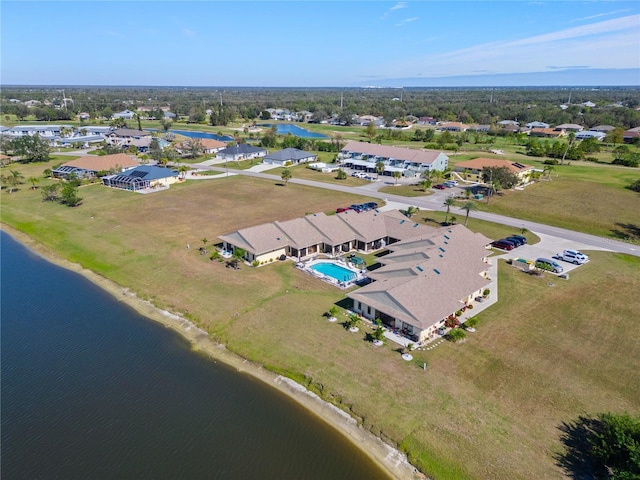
286 175
411 211
468 207
379 168
14 179
547 171
204 241
447 203
396 175
183 171
34 181
572 137
425 184
238 254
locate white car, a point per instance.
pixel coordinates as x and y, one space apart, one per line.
452 183
573 256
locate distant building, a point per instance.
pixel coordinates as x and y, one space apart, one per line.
471 170
241 152
125 115
537 125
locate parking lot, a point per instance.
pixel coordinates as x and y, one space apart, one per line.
547 247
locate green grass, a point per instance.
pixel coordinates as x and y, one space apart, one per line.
406 190
490 407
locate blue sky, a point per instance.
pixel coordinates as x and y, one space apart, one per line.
329 43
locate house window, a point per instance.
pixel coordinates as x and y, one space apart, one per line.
368 310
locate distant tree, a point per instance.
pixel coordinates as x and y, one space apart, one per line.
183 171
620 151
425 184
205 243
197 114
428 135
265 115
468 207
31 148
166 124
50 192
379 168
137 117
341 175
547 170
396 176
370 131
615 136
444 138
571 136
69 194
499 176
286 175
21 111
448 202
193 147
119 122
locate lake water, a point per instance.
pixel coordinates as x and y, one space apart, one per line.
285 128
90 389
191 134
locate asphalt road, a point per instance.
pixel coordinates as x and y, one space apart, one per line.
435 202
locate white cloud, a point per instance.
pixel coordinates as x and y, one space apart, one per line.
615 12
608 44
406 20
397 6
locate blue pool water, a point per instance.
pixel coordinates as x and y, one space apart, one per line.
284 128
341 274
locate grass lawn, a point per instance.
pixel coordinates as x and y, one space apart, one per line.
406 190
301 171
491 407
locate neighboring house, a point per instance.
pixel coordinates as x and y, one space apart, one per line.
482 128
471 170
123 137
209 145
241 151
308 236
49 132
90 165
585 134
588 104
125 114
546 132
454 127
508 123
289 156
169 115
368 119
84 116
427 121
537 125
32 103
572 127
407 161
630 135
603 128
144 178
425 280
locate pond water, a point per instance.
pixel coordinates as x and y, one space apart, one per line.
285 128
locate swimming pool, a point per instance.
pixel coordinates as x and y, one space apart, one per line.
332 270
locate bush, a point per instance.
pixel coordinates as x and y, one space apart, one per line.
635 186
456 335
551 161
255 263
458 313
470 306
486 292
471 322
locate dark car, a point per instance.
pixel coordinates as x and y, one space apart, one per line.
518 241
357 208
520 237
371 205
503 245
439 187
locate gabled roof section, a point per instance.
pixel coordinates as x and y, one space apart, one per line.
398 153
97 163
241 148
334 230
294 154
151 172
129 132
301 233
480 163
259 239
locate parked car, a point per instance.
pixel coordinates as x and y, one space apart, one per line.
517 240
503 245
342 209
520 237
546 264
372 205
573 256
451 183
439 187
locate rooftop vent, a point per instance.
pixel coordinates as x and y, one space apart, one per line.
441 249
437 271
419 268
447 236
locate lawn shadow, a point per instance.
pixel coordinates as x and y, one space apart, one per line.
627 231
280 184
345 303
574 458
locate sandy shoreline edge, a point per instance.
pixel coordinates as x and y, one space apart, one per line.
391 460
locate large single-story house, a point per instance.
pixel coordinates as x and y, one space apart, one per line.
91 165
585 134
144 178
408 161
241 151
303 237
630 135
572 127
125 114
289 156
209 146
603 128
453 127
425 280
546 132
537 125
471 170
124 137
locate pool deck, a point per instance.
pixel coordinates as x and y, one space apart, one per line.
306 267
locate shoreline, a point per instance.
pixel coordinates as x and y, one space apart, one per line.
387 457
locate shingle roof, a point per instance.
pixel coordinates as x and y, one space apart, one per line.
151 172
289 154
103 163
387 151
242 148
129 132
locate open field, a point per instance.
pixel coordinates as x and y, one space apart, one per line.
301 171
491 407
414 190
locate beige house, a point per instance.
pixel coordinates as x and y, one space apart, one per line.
91 165
304 237
471 170
425 280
